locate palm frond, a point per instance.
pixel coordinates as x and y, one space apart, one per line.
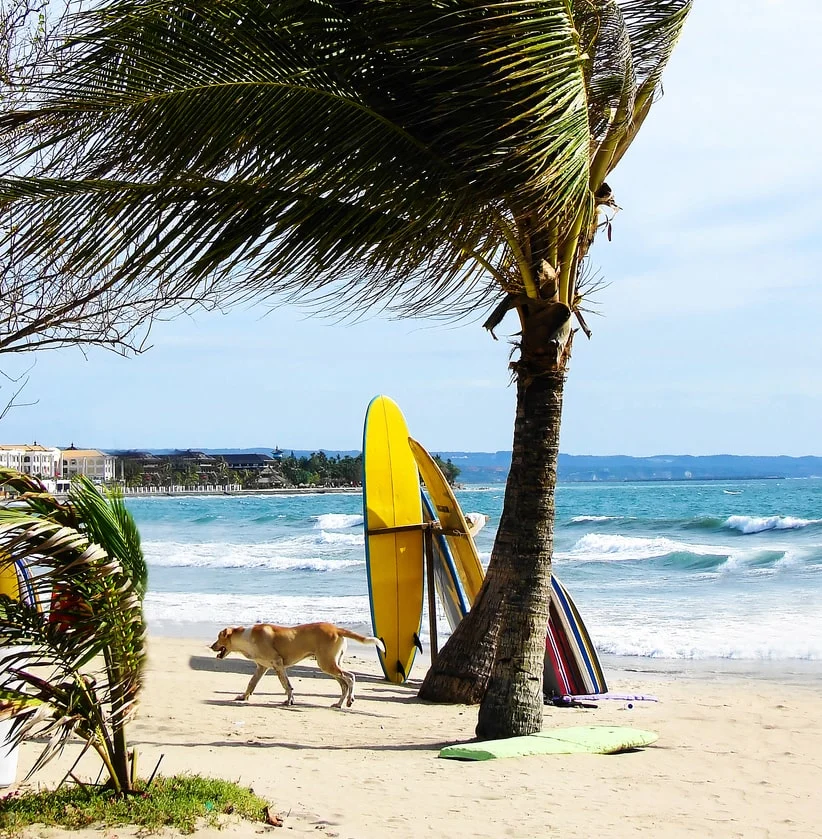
107 522
609 76
81 660
354 152
653 29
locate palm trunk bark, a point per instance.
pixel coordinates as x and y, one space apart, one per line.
496 654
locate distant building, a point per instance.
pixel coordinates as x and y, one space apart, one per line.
252 462
136 466
95 465
264 470
38 461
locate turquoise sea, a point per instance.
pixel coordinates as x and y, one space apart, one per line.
728 570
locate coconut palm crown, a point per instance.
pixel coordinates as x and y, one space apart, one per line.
428 157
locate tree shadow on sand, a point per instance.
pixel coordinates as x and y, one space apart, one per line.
263 743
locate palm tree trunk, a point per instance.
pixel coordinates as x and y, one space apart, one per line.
496 654
119 744
120 757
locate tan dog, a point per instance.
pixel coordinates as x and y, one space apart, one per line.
278 647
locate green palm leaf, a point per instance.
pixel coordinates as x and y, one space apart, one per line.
372 149
82 659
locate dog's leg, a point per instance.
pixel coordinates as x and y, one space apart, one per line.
344 680
344 686
289 690
255 680
348 679
352 680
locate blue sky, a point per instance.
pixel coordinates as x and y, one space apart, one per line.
709 339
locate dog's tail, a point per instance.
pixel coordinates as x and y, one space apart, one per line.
362 639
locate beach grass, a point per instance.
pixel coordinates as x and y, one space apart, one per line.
184 802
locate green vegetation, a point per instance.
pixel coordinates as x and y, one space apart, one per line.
182 801
81 661
448 469
320 470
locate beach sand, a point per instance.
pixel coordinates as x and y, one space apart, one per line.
739 754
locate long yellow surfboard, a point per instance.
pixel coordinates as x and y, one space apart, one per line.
452 520
394 560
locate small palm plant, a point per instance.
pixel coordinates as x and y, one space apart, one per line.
76 668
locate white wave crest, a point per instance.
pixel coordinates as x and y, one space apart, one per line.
791 559
743 560
758 524
337 521
342 538
601 547
275 557
593 519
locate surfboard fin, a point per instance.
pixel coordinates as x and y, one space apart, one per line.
417 642
401 670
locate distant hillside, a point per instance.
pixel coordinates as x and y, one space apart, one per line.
685 467
492 467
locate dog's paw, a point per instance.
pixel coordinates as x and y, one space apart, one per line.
241 697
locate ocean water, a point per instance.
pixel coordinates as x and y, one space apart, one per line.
696 570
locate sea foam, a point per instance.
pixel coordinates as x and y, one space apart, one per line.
237 609
337 521
775 636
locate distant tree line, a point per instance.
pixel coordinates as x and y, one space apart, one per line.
448 469
318 469
190 468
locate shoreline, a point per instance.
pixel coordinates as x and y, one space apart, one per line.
161 493
734 758
461 486
786 672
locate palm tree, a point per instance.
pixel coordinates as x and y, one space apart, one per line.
77 667
427 158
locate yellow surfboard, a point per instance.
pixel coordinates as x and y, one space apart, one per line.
8 580
463 549
394 560
446 579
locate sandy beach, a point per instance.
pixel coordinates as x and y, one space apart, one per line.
739 754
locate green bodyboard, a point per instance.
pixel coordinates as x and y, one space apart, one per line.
592 739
